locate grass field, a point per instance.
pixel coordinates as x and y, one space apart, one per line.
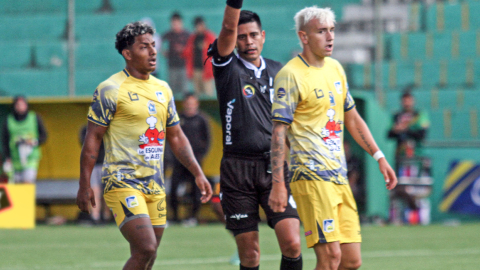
210 247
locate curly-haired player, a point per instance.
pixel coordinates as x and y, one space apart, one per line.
134 113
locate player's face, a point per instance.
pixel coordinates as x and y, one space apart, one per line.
142 55
250 40
318 37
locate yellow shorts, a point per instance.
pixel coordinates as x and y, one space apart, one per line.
128 204
328 212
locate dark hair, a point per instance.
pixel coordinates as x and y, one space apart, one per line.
189 95
198 20
407 94
247 16
126 36
176 16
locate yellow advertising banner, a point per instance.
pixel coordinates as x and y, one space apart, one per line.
17 206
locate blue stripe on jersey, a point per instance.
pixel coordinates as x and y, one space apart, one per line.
281 119
126 73
350 108
174 124
304 60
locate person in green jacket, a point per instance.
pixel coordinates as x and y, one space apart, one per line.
23 132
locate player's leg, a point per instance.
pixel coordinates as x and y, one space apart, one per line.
328 255
132 216
175 183
140 235
29 175
351 256
349 225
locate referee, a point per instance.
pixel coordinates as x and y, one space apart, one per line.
244 84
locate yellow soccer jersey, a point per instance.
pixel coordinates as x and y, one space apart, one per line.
136 113
313 101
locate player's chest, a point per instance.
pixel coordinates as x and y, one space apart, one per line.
324 92
139 104
253 90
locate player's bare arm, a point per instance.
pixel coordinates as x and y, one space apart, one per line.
362 135
278 195
183 152
228 34
90 149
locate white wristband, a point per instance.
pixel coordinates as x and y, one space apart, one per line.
378 155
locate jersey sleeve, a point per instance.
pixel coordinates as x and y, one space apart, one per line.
104 105
218 60
349 102
172 115
286 97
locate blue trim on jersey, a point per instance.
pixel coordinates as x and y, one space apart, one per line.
351 107
304 60
96 122
126 73
174 124
281 119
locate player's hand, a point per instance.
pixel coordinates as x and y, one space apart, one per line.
278 199
84 197
205 188
388 173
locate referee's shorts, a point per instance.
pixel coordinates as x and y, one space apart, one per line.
244 185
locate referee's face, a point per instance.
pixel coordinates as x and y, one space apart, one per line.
250 40
318 38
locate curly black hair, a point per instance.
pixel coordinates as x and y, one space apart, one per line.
126 36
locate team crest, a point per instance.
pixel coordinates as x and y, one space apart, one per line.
332 99
152 141
151 107
160 97
248 91
338 87
328 225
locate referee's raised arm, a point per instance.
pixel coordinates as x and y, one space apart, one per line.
228 35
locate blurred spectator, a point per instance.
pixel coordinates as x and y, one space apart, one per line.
409 129
196 127
176 38
23 133
96 183
195 55
158 42
355 176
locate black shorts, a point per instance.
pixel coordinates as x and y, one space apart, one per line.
244 185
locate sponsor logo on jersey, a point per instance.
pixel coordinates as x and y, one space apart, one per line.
332 99
160 97
331 131
248 91
281 92
152 141
338 87
131 201
239 216
151 107
308 233
328 225
228 125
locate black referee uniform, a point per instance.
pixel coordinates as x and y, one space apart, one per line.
245 95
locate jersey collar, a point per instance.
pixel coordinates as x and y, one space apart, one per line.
257 71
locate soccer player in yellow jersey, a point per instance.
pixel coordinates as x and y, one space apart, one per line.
312 105
135 113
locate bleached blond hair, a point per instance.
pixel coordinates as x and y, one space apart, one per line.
307 14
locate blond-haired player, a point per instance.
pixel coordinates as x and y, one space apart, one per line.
312 105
